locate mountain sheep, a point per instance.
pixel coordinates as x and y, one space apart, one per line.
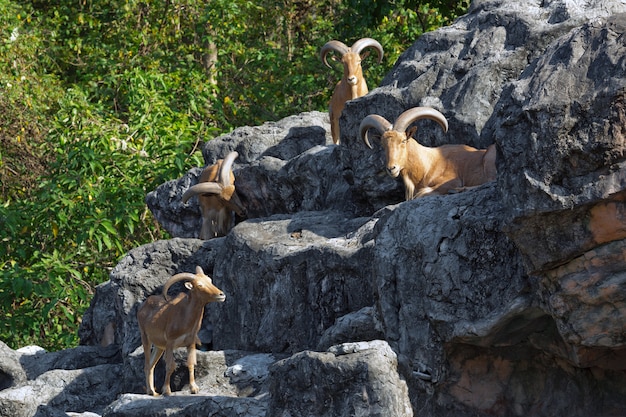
217 198
167 324
352 84
426 170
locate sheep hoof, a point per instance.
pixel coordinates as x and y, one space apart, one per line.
194 389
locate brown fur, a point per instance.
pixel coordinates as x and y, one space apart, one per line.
427 170
217 199
168 324
437 170
352 84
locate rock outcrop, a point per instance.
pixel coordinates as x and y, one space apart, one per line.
342 299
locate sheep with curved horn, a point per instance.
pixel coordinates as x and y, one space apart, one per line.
217 197
352 84
166 324
426 170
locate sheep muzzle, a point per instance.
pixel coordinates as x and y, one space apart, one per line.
393 171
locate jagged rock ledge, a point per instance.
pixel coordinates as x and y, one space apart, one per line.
506 300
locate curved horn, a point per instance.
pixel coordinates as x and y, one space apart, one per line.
333 45
223 174
373 121
202 188
417 113
363 43
177 278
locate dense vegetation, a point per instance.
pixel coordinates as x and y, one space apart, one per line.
102 101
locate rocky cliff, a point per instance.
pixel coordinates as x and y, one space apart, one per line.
505 300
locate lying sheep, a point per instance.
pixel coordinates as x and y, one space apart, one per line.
167 324
427 170
217 198
352 84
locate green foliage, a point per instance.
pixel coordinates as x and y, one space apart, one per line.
90 209
102 101
27 96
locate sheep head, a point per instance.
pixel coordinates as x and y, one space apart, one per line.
395 138
200 283
351 58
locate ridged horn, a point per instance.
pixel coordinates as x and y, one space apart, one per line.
333 45
363 43
224 173
373 121
177 278
202 188
417 113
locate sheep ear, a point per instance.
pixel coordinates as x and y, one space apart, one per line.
188 285
410 132
365 54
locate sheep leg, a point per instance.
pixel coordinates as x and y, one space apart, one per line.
222 225
146 362
409 189
191 363
334 125
461 189
152 357
205 231
208 230
170 367
207 216
455 185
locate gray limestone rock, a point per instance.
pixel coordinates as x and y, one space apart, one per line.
353 379
503 300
